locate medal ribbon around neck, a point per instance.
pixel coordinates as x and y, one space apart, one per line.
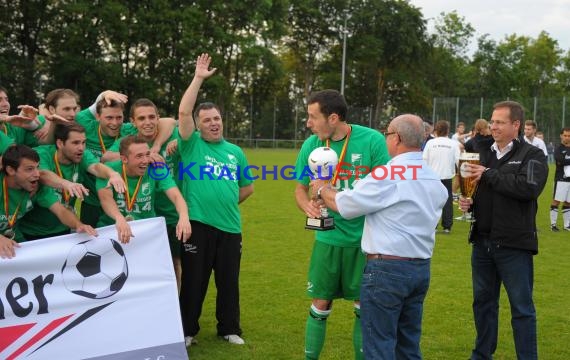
5 129
130 201
66 195
342 154
11 220
101 142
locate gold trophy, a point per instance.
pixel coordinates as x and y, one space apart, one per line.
467 183
323 163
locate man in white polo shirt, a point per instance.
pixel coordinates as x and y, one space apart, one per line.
442 155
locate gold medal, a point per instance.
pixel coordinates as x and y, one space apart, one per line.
70 208
130 199
10 233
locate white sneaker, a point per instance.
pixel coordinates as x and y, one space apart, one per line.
189 340
234 339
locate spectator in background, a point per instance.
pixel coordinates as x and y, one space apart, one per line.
550 151
428 129
460 134
482 133
442 155
531 138
561 182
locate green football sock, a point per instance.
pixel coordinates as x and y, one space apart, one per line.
357 335
315 332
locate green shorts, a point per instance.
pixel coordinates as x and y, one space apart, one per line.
335 272
175 244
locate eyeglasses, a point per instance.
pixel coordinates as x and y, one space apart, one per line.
388 133
498 122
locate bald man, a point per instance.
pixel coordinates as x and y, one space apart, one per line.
398 240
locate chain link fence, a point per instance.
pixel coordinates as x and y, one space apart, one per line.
549 113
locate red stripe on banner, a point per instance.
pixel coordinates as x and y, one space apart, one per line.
52 325
11 333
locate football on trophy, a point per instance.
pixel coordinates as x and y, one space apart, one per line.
323 161
95 268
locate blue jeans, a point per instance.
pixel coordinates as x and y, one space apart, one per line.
492 265
391 305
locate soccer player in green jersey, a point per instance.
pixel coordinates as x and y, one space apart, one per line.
144 116
337 262
21 189
216 238
24 127
137 201
66 162
104 125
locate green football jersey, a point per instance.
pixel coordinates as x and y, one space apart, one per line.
366 149
41 221
5 142
143 205
19 200
97 143
212 174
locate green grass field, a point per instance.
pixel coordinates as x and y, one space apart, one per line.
276 251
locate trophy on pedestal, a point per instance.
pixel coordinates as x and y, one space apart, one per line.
323 163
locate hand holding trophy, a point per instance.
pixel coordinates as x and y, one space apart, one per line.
323 162
467 180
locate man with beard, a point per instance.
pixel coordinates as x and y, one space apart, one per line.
137 201
21 189
69 161
336 265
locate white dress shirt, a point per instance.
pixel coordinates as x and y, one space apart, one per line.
401 215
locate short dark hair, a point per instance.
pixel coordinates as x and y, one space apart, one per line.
61 131
330 102
205 106
143 102
516 111
442 127
530 123
101 104
127 142
52 98
564 129
3 89
13 156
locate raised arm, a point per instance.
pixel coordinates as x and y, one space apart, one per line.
185 120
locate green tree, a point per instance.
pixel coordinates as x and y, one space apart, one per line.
388 40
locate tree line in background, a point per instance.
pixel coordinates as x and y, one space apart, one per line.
270 55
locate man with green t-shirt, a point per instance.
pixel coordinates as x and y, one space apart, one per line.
144 116
24 127
337 262
137 201
66 161
216 222
104 125
18 181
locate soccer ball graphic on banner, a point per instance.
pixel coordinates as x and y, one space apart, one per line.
323 161
95 268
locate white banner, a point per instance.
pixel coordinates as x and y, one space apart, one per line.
83 297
